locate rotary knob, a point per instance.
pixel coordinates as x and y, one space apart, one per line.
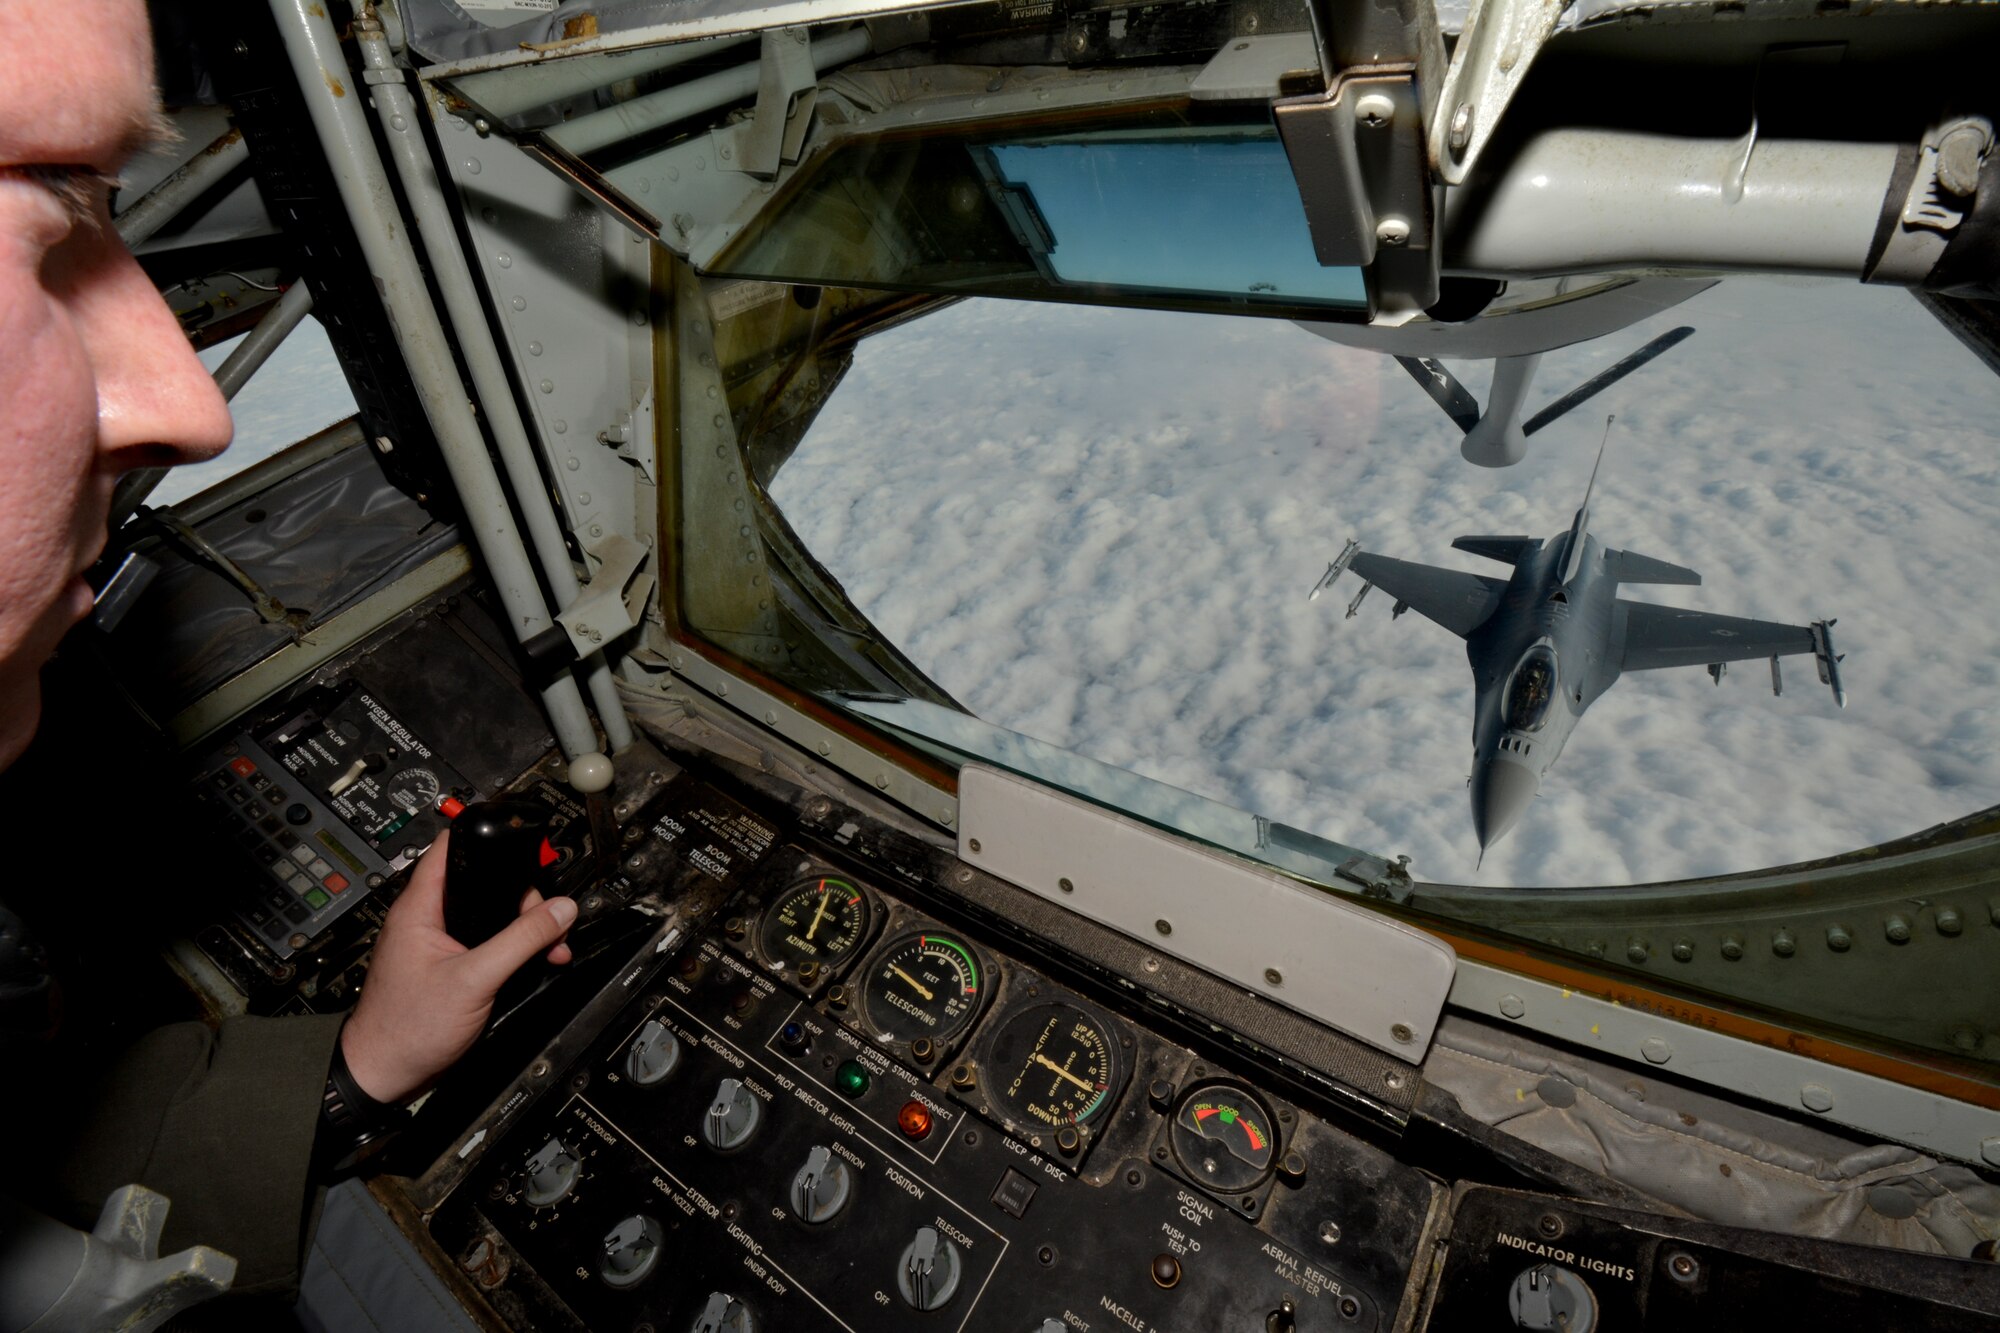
1551 1297
631 1251
723 1313
822 1187
654 1054
550 1173
733 1116
929 1270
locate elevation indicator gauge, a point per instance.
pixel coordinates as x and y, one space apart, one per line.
816 922
924 985
1055 1065
1224 1138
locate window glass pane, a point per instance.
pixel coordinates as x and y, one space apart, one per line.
300 390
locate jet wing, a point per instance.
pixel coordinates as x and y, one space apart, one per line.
1460 602
1667 636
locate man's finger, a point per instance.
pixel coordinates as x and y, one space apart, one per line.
423 897
527 935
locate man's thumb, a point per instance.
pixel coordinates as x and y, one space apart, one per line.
531 933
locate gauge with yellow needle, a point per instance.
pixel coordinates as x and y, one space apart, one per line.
924 985
1054 1065
818 921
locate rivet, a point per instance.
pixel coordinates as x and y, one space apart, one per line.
1732 947
1402 1032
1965 1038
518 304
1782 943
1595 948
882 781
488 216
718 421
1838 939
1273 977
1638 951
1816 1098
572 462
561 426
546 386
399 122
472 166
583 497
1683 951
504 261
1513 1006
770 718
1656 1050
1897 928
534 349
1949 922
1066 886
597 530
1164 926
971 844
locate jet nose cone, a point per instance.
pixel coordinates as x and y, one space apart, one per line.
1501 790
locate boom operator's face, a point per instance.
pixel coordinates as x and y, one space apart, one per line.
96 377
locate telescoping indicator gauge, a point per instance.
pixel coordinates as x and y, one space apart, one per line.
925 985
1223 1137
814 923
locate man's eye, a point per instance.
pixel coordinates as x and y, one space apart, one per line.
77 188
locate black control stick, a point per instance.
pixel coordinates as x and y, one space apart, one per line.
498 851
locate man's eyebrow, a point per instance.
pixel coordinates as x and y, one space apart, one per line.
147 132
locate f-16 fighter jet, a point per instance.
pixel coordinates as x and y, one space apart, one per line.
1546 643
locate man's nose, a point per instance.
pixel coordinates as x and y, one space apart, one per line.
155 401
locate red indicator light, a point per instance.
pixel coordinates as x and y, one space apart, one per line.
450 807
242 767
914 1119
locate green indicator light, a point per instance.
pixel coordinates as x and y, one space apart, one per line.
850 1078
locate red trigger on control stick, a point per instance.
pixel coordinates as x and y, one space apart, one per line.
499 850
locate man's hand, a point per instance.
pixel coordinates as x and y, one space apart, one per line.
427 996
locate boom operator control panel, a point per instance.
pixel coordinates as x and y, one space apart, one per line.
809 1071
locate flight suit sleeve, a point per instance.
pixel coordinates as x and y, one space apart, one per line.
222 1123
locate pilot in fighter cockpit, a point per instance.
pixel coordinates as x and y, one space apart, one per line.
96 378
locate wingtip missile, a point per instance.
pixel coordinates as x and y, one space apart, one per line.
1335 569
1827 660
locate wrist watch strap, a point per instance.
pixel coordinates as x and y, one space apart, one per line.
348 1117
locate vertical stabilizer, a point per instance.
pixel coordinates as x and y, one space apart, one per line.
1573 554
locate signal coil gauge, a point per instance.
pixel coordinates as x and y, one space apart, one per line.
816 922
1224 1137
926 985
1054 1065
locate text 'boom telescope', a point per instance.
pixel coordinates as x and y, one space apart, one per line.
1548 642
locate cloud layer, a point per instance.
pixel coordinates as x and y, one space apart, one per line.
1098 527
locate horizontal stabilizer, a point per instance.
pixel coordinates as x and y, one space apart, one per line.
1631 567
1507 550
